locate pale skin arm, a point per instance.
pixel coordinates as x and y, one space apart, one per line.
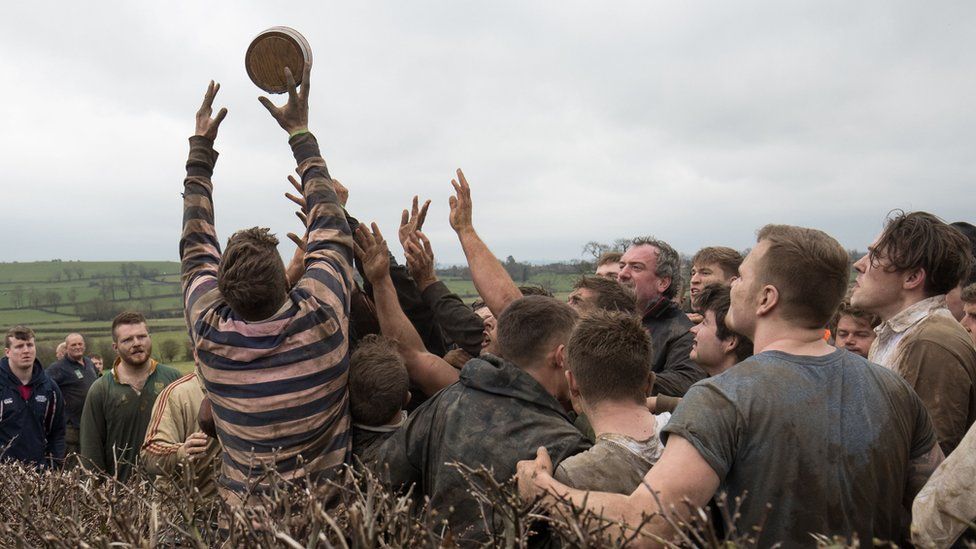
680 475
428 371
490 278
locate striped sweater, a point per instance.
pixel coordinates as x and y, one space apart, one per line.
277 386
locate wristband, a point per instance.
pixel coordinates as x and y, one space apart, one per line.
298 132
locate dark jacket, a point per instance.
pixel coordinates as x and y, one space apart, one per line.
33 430
671 349
494 416
74 380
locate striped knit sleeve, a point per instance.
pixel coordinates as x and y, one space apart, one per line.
199 249
328 255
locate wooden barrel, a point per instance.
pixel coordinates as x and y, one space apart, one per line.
270 52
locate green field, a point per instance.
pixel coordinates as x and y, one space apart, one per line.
57 297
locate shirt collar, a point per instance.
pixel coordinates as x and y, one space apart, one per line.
118 360
384 428
913 314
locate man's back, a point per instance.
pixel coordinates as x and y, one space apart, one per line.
825 440
494 416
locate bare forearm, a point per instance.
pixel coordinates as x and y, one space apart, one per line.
429 372
628 512
490 278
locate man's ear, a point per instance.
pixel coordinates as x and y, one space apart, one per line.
664 283
559 357
573 386
730 343
915 279
767 300
406 399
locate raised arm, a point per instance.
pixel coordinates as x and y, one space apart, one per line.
457 321
427 371
490 278
199 249
328 251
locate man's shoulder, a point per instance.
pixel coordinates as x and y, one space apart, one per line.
944 332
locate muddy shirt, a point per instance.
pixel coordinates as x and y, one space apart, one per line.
933 352
494 416
825 440
616 463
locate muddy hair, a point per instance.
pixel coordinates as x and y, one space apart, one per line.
20 332
125 318
378 381
668 262
531 326
251 276
609 355
920 240
610 294
727 259
809 268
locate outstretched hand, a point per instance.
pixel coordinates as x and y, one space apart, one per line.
207 126
293 115
461 204
341 192
412 221
420 260
371 250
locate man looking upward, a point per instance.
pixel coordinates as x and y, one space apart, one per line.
273 358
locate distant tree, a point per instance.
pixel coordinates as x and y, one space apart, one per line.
169 349
68 271
79 272
34 298
72 295
17 297
54 299
104 348
106 288
147 307
595 249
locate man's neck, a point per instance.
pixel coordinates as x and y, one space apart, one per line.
134 375
728 361
779 336
23 374
623 418
80 360
905 301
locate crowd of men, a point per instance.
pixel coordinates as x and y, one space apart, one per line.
848 408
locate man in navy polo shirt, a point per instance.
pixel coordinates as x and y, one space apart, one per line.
74 374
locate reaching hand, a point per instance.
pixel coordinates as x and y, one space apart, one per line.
412 221
341 192
461 205
420 260
372 251
532 474
206 126
293 115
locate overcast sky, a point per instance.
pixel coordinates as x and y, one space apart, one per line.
573 121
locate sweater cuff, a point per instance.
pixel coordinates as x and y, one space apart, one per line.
202 157
304 146
433 293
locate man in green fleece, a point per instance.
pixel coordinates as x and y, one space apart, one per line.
119 404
